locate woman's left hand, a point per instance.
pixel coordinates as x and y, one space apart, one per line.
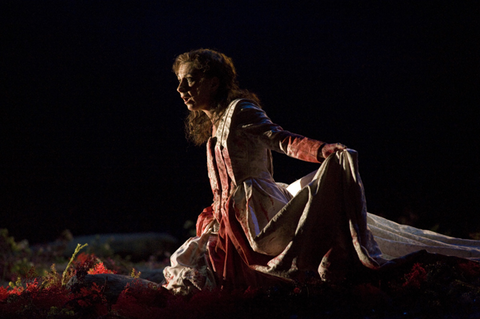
332 148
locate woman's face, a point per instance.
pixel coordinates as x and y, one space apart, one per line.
195 90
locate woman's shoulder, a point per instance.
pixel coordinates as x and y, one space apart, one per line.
245 113
241 108
244 106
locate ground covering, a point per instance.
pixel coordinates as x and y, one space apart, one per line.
419 286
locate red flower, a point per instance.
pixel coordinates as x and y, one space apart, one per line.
32 286
415 277
99 269
4 293
83 258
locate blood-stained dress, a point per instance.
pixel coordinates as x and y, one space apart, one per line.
259 232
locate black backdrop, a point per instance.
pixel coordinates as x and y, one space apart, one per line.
92 128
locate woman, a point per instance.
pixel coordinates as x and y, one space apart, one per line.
258 232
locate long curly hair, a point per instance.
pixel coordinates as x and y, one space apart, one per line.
198 126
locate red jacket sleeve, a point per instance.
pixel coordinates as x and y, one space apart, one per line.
255 122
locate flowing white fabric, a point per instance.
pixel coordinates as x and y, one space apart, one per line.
189 269
396 240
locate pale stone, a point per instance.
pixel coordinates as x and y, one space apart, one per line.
139 246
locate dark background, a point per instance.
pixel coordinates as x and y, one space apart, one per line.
92 127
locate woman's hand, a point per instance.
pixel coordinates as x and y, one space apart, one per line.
328 149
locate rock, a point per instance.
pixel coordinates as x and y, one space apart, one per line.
139 246
153 275
112 284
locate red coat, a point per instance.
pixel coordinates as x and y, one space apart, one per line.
258 232
246 198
